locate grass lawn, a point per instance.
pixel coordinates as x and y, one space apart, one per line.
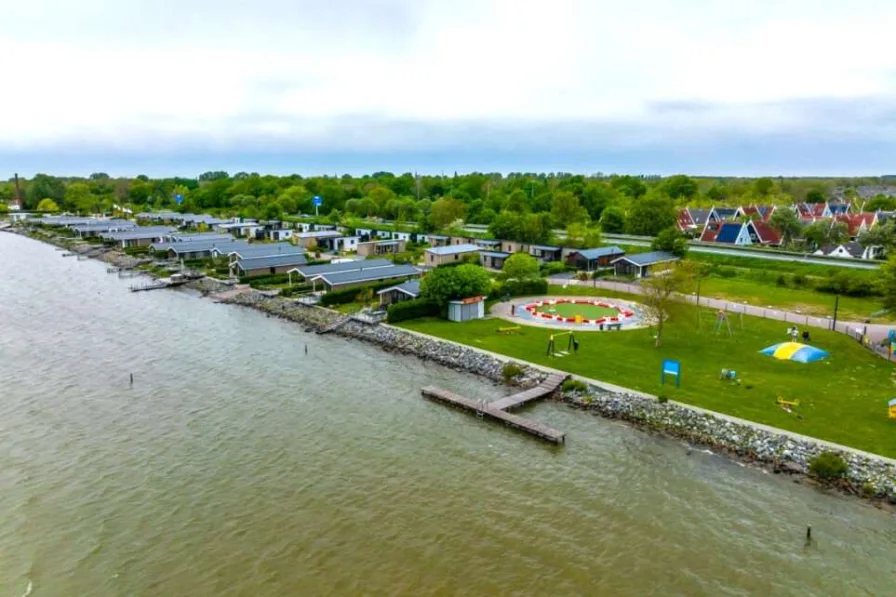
842 399
572 309
768 294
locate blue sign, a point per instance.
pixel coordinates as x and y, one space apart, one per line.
671 367
317 201
178 198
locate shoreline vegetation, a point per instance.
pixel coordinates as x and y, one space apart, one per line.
868 476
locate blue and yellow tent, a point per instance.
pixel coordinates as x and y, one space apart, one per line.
794 351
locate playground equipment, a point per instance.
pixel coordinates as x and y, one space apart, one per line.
722 319
572 345
893 408
788 403
794 351
509 329
729 374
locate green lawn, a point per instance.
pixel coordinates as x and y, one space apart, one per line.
842 399
811 302
571 310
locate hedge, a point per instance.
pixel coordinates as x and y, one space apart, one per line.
348 295
531 287
413 309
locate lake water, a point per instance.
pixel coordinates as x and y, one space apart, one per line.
239 465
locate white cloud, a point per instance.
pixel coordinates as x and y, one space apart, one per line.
357 74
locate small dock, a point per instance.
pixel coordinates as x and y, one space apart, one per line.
162 283
497 411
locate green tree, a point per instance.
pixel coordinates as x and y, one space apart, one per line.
660 290
629 186
520 266
817 234
47 204
580 236
717 193
763 187
887 283
649 215
680 186
445 284
815 196
79 198
43 186
786 222
612 221
446 211
566 209
671 240
883 235
273 211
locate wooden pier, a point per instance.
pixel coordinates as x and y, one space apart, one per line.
497 411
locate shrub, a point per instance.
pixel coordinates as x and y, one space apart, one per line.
574 385
868 489
828 466
510 370
799 280
296 289
782 280
532 287
348 295
662 399
414 309
553 268
725 272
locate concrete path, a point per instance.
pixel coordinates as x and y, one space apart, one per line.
875 332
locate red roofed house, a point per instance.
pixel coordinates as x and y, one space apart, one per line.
814 210
857 223
762 233
751 212
685 221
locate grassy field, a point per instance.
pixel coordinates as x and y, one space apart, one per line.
571 310
807 301
842 399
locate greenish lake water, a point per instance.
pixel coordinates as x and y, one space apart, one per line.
238 465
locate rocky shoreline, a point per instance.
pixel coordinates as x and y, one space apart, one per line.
868 477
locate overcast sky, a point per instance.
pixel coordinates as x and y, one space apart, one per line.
331 86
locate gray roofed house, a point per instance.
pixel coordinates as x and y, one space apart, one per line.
436 256
493 259
268 265
546 253
247 251
309 271
350 279
199 249
639 265
699 216
591 259
198 236
402 292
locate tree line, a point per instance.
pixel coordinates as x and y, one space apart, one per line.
516 206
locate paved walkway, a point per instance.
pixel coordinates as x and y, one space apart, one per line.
875 332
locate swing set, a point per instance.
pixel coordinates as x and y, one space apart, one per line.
571 347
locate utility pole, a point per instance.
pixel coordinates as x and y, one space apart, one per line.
836 305
18 191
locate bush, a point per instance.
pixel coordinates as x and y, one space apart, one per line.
725 272
782 280
532 287
574 385
828 466
553 268
510 370
348 295
662 399
414 309
296 289
799 280
848 283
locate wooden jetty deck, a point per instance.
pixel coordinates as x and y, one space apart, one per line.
545 388
496 411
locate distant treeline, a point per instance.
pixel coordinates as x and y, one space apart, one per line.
525 206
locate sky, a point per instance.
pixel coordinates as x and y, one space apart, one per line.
712 87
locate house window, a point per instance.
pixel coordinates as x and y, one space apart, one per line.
456 256
273 270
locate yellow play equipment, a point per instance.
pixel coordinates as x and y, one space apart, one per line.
509 329
893 408
790 403
573 345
